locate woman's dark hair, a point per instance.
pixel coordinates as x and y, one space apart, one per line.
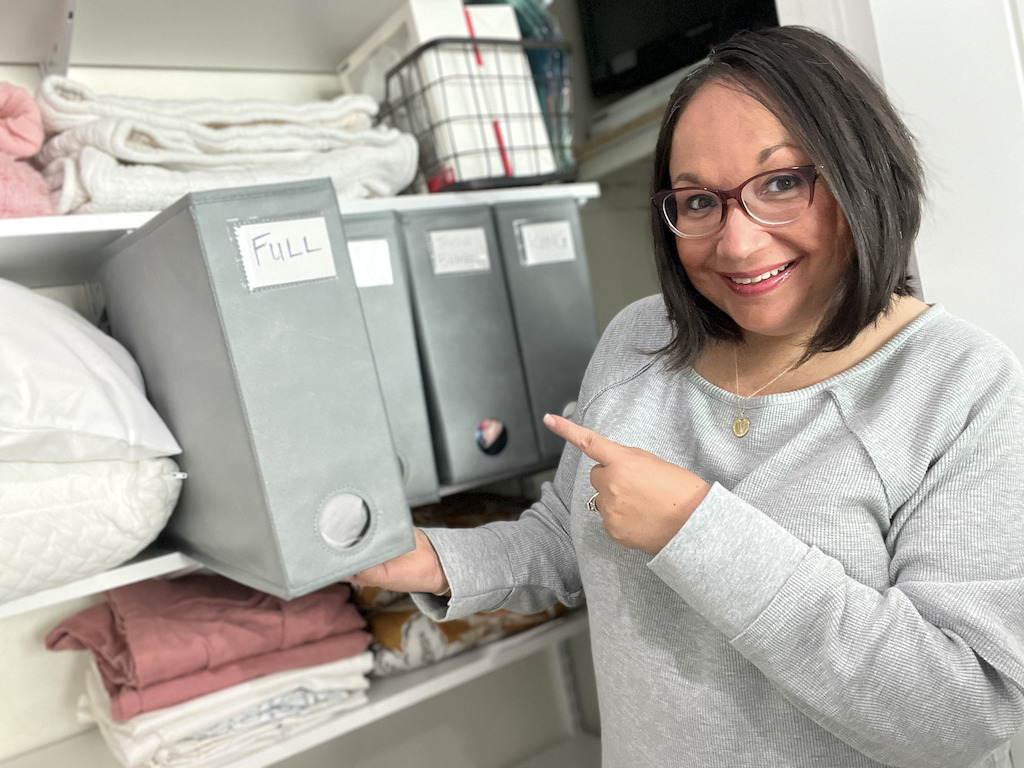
842 119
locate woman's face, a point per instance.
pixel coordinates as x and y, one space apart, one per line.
724 137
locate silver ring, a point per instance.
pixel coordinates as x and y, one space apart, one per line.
592 503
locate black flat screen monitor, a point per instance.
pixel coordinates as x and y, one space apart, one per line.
631 44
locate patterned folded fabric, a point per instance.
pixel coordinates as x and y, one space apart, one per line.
404 638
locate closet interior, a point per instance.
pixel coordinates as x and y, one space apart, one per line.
526 700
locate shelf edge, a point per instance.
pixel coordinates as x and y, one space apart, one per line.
149 564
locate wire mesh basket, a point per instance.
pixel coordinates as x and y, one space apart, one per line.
487 112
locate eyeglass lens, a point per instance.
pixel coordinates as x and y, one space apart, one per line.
773 198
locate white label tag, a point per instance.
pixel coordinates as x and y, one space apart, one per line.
282 252
371 262
459 250
547 242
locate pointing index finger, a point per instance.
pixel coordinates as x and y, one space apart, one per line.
597 447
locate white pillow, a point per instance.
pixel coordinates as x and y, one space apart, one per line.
64 521
68 391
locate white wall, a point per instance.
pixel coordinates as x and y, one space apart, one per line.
617 232
954 71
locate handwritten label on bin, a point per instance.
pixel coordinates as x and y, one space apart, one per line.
546 242
371 262
287 251
459 250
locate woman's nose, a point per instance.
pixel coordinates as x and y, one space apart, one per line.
741 236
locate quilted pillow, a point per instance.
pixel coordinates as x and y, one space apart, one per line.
60 522
68 391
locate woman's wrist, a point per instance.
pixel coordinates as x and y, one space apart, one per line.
445 590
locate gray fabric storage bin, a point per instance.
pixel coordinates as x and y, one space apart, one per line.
376 249
552 304
471 363
244 317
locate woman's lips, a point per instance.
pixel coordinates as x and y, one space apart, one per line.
757 283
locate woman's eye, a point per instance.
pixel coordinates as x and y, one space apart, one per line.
781 183
697 204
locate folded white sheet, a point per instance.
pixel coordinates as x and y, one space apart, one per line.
65 103
95 182
225 725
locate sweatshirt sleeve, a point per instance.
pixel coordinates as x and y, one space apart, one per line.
524 566
927 672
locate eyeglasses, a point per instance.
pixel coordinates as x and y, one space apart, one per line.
772 198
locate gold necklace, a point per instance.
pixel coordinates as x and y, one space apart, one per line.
741 424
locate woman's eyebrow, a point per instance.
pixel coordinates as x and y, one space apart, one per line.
767 152
762 157
688 178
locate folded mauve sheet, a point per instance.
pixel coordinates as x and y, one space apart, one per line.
161 642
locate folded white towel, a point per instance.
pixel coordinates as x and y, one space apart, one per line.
183 145
226 724
95 182
65 103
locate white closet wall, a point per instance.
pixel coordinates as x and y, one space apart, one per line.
955 72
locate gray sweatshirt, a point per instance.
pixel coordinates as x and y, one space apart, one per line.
850 593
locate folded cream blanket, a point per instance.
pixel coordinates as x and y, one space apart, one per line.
112 153
95 182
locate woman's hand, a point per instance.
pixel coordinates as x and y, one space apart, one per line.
643 500
416 571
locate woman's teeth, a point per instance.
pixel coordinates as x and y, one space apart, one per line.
759 278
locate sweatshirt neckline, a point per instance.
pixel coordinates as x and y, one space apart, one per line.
879 356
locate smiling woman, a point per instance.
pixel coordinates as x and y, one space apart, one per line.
772 280
790 496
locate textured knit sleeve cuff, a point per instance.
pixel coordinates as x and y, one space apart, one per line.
729 560
478 572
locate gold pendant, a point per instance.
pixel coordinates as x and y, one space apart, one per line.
741 425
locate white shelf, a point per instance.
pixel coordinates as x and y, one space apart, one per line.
152 563
387 697
59 250
629 144
65 250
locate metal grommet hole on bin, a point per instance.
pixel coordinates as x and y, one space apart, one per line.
491 436
344 520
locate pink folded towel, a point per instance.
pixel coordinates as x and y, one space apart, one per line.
23 192
161 642
21 124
